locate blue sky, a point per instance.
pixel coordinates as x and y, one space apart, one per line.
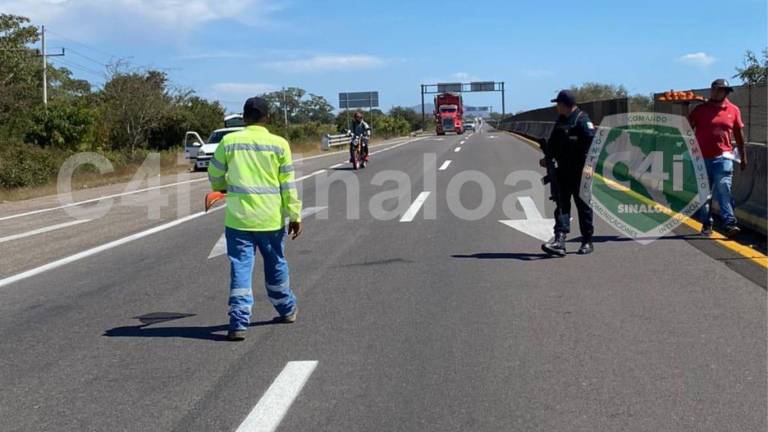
231 49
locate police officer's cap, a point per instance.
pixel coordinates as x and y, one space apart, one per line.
255 108
565 97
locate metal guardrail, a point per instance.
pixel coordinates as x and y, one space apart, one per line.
330 141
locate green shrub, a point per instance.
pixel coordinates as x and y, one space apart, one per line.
24 165
389 127
61 126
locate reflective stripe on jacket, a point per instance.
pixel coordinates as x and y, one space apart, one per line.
256 169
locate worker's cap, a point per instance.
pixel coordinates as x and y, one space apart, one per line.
723 84
255 107
565 97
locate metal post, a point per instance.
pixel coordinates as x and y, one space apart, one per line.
285 110
45 70
749 114
423 109
503 102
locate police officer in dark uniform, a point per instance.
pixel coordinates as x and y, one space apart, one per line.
568 146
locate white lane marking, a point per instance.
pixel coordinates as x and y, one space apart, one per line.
42 230
274 404
310 175
93 200
415 207
93 251
337 165
88 201
462 143
534 224
529 208
220 248
444 166
457 149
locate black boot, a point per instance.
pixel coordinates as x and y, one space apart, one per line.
556 247
586 247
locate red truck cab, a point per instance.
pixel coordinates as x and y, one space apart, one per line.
449 113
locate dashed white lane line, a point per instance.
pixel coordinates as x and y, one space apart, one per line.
201 179
310 175
444 166
274 404
42 230
337 165
415 207
457 149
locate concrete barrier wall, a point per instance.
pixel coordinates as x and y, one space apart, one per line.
750 187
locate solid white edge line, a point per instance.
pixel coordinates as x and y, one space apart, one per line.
42 230
106 246
97 199
277 400
93 251
92 200
444 166
415 207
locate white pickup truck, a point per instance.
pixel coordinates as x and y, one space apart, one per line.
200 152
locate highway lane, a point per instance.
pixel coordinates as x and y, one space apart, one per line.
444 324
128 210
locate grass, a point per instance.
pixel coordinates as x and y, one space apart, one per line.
168 166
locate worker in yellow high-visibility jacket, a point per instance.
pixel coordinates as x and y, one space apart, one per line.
255 169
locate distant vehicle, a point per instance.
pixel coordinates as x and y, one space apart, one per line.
449 112
469 126
200 152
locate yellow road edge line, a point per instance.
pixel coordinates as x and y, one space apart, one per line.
754 255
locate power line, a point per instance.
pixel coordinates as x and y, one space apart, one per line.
69 63
79 54
84 45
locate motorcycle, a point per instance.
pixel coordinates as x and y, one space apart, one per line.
357 155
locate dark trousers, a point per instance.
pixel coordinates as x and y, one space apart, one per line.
569 188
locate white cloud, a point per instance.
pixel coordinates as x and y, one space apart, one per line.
463 76
699 59
325 63
231 89
177 17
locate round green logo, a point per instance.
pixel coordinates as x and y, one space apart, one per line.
644 174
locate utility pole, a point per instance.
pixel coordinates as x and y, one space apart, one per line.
45 69
285 110
45 56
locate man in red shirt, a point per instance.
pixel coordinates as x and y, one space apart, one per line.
716 123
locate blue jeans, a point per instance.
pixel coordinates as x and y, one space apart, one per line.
241 249
720 174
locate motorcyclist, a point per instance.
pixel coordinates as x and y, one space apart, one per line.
361 130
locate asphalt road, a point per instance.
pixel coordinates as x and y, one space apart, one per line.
407 321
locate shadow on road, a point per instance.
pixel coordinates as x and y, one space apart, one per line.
212 333
614 238
520 256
